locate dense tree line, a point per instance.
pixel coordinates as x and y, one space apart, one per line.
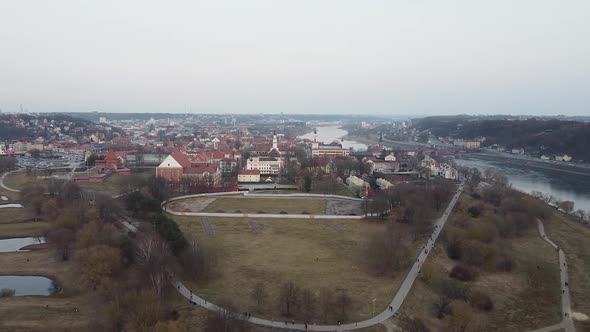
536 135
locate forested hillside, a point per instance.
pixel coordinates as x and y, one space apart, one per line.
542 136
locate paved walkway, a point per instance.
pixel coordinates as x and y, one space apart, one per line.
381 317
567 322
4 186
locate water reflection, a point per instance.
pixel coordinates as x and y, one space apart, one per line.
563 186
328 134
16 244
30 285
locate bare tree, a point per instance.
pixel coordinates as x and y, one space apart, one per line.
62 239
566 206
442 306
308 305
343 302
326 303
259 295
289 297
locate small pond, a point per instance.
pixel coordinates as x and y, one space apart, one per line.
16 244
30 285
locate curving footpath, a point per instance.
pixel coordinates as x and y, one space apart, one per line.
2 181
567 322
386 314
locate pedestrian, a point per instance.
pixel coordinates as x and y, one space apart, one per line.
285 322
306 326
339 323
293 321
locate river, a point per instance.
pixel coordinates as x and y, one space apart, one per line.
563 186
328 134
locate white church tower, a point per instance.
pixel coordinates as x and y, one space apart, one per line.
315 144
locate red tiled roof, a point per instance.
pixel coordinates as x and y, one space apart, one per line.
111 155
200 169
218 155
182 159
249 172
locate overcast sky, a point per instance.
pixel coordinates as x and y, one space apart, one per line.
304 56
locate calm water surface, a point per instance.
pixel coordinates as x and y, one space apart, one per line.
15 244
328 134
563 186
30 285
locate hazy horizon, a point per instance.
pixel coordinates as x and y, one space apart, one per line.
304 57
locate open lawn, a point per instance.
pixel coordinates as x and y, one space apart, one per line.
114 184
41 313
311 253
517 305
22 229
18 180
11 215
268 205
574 239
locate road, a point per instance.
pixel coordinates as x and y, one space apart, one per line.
395 304
567 322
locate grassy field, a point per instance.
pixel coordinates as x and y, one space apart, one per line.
22 229
44 313
574 239
517 307
267 205
18 180
11 215
310 253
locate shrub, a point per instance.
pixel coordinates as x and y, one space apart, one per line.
481 301
475 210
504 264
463 273
453 289
283 212
476 253
454 250
169 231
7 292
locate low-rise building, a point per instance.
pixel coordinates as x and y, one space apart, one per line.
357 185
266 165
327 150
249 175
177 166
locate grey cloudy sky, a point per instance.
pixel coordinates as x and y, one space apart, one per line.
304 56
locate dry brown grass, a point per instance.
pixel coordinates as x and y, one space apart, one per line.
516 306
18 180
44 313
574 239
268 205
307 252
10 215
21 229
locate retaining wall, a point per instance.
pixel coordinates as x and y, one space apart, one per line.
264 215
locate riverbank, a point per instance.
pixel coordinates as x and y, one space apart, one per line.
539 164
371 140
